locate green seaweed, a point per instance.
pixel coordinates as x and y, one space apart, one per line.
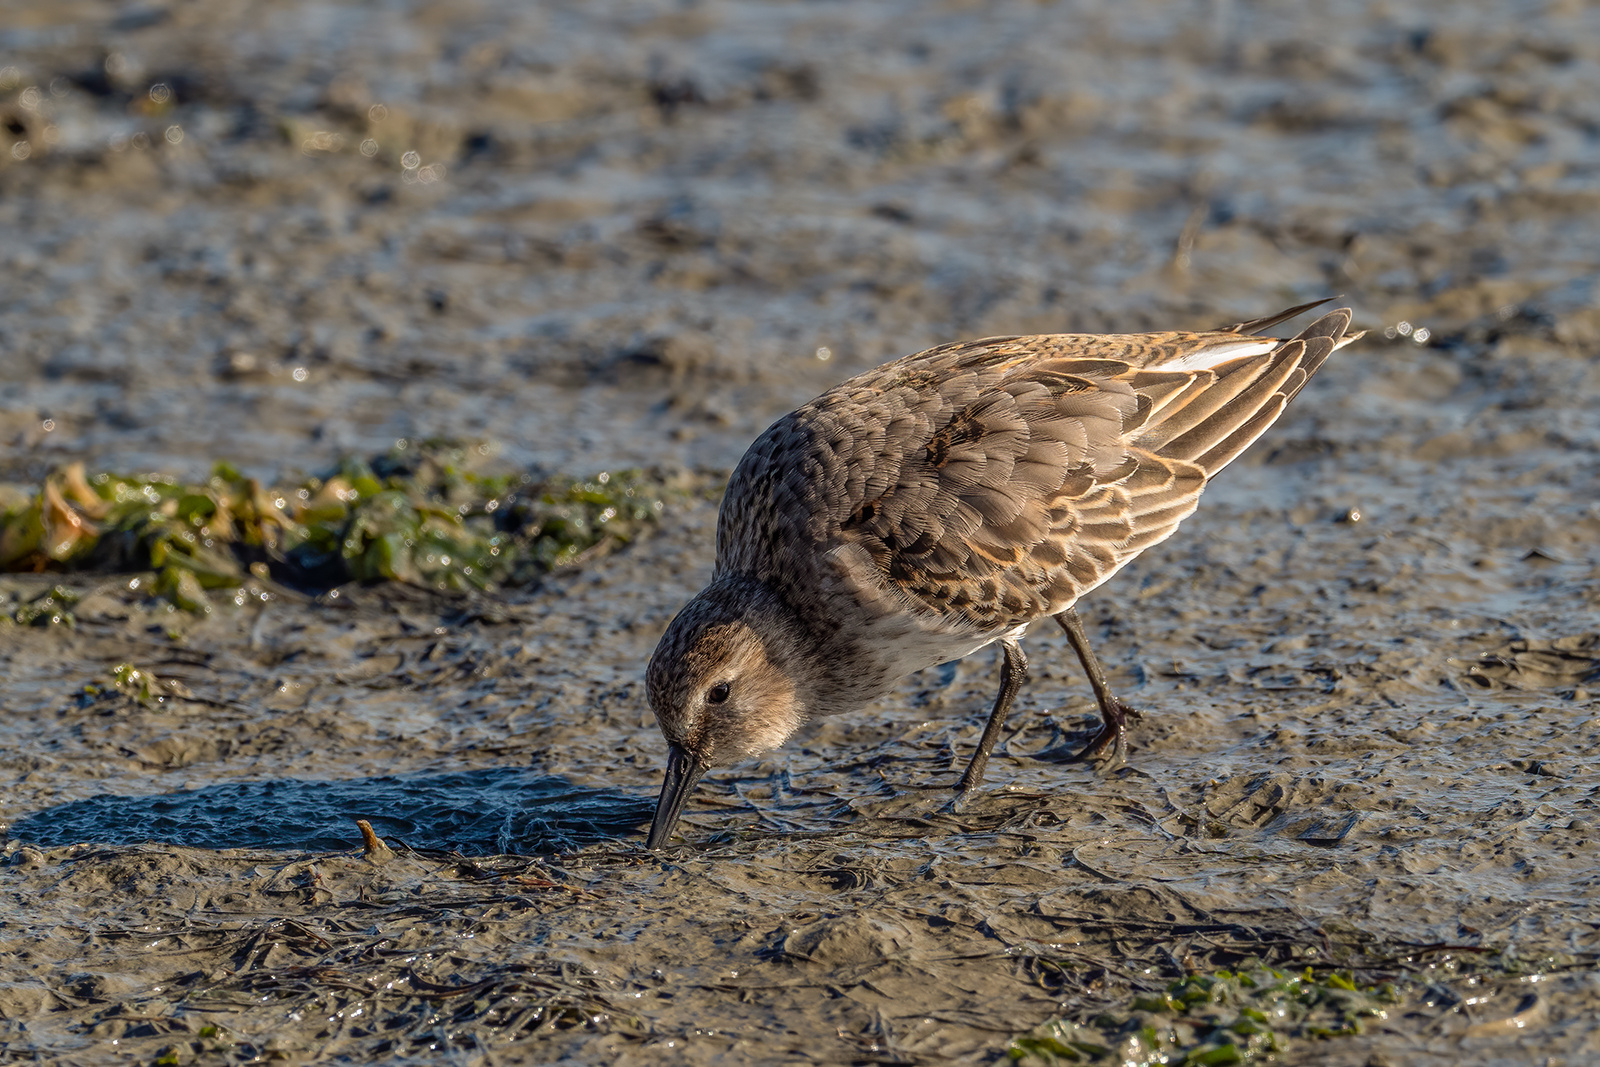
53 607
136 684
1230 1017
419 514
141 685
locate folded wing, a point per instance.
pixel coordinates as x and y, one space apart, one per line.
995 481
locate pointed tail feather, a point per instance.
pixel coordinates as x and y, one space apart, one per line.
1211 422
1257 325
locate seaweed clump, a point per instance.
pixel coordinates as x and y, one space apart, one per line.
53 607
1229 1017
419 514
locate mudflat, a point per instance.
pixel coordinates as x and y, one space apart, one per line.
600 236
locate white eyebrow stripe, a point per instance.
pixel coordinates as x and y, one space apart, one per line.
1213 356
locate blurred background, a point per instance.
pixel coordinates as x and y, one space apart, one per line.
600 232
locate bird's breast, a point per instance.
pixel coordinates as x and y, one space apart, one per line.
877 634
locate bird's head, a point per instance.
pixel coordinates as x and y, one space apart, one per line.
723 684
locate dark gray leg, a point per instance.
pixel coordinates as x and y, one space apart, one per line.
1013 669
1114 734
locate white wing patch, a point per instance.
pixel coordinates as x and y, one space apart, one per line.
1212 356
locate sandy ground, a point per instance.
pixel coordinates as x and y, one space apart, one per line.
604 233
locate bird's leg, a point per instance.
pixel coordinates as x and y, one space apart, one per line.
1013 669
1114 734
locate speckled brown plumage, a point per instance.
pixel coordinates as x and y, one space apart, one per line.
942 502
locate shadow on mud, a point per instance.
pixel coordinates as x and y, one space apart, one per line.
485 812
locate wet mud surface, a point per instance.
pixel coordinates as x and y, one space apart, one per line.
636 234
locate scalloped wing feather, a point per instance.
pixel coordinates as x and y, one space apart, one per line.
994 481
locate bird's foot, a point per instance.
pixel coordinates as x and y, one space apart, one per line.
973 777
968 788
965 790
1113 735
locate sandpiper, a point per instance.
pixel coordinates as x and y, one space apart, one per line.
941 503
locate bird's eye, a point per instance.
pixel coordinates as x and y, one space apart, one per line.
718 693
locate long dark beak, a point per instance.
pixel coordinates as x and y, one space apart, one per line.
683 774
